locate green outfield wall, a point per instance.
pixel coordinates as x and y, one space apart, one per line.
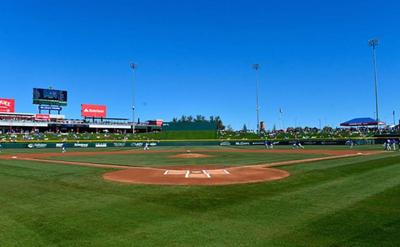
210 142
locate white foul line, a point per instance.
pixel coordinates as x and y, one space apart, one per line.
187 174
226 172
206 173
166 172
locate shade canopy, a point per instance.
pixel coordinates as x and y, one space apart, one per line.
361 122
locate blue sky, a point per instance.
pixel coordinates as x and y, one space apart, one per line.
194 57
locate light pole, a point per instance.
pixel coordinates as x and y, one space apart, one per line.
133 67
394 117
374 43
256 67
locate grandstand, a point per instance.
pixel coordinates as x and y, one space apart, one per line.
30 122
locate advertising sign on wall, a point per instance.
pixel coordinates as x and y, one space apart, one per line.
44 117
89 110
7 105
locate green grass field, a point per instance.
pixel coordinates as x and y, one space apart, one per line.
345 202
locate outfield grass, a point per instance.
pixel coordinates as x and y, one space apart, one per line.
347 202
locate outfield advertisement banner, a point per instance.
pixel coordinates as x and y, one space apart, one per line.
100 145
119 144
140 144
37 145
97 111
80 145
7 105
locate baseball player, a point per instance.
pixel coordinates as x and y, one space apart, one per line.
63 148
266 144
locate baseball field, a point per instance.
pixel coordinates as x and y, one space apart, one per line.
200 196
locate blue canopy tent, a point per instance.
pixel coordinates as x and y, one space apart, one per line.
358 122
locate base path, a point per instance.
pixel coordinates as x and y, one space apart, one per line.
193 175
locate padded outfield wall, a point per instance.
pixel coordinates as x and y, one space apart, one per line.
141 143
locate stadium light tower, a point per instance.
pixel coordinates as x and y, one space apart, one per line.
256 67
374 43
133 67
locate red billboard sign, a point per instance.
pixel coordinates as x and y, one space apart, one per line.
44 117
7 105
98 111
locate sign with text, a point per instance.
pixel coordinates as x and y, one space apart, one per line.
97 111
50 108
7 105
43 117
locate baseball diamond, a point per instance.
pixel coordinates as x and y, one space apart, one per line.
199 123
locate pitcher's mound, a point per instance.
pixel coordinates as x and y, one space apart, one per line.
190 156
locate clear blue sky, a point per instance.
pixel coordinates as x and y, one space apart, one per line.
195 57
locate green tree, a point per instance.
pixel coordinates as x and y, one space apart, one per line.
244 129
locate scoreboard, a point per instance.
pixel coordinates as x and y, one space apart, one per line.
43 96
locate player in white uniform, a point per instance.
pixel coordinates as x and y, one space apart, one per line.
394 145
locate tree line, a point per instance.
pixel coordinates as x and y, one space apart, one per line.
200 118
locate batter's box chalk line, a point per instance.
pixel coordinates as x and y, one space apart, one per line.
197 173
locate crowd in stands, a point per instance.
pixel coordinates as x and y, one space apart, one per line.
311 133
66 121
288 134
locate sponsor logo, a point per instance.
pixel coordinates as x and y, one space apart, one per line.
51 108
59 145
119 144
81 145
42 116
329 143
257 143
88 110
242 143
100 145
37 145
136 144
93 110
153 144
225 144
7 105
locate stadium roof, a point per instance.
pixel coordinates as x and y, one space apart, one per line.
361 122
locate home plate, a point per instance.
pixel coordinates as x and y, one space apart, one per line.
197 173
